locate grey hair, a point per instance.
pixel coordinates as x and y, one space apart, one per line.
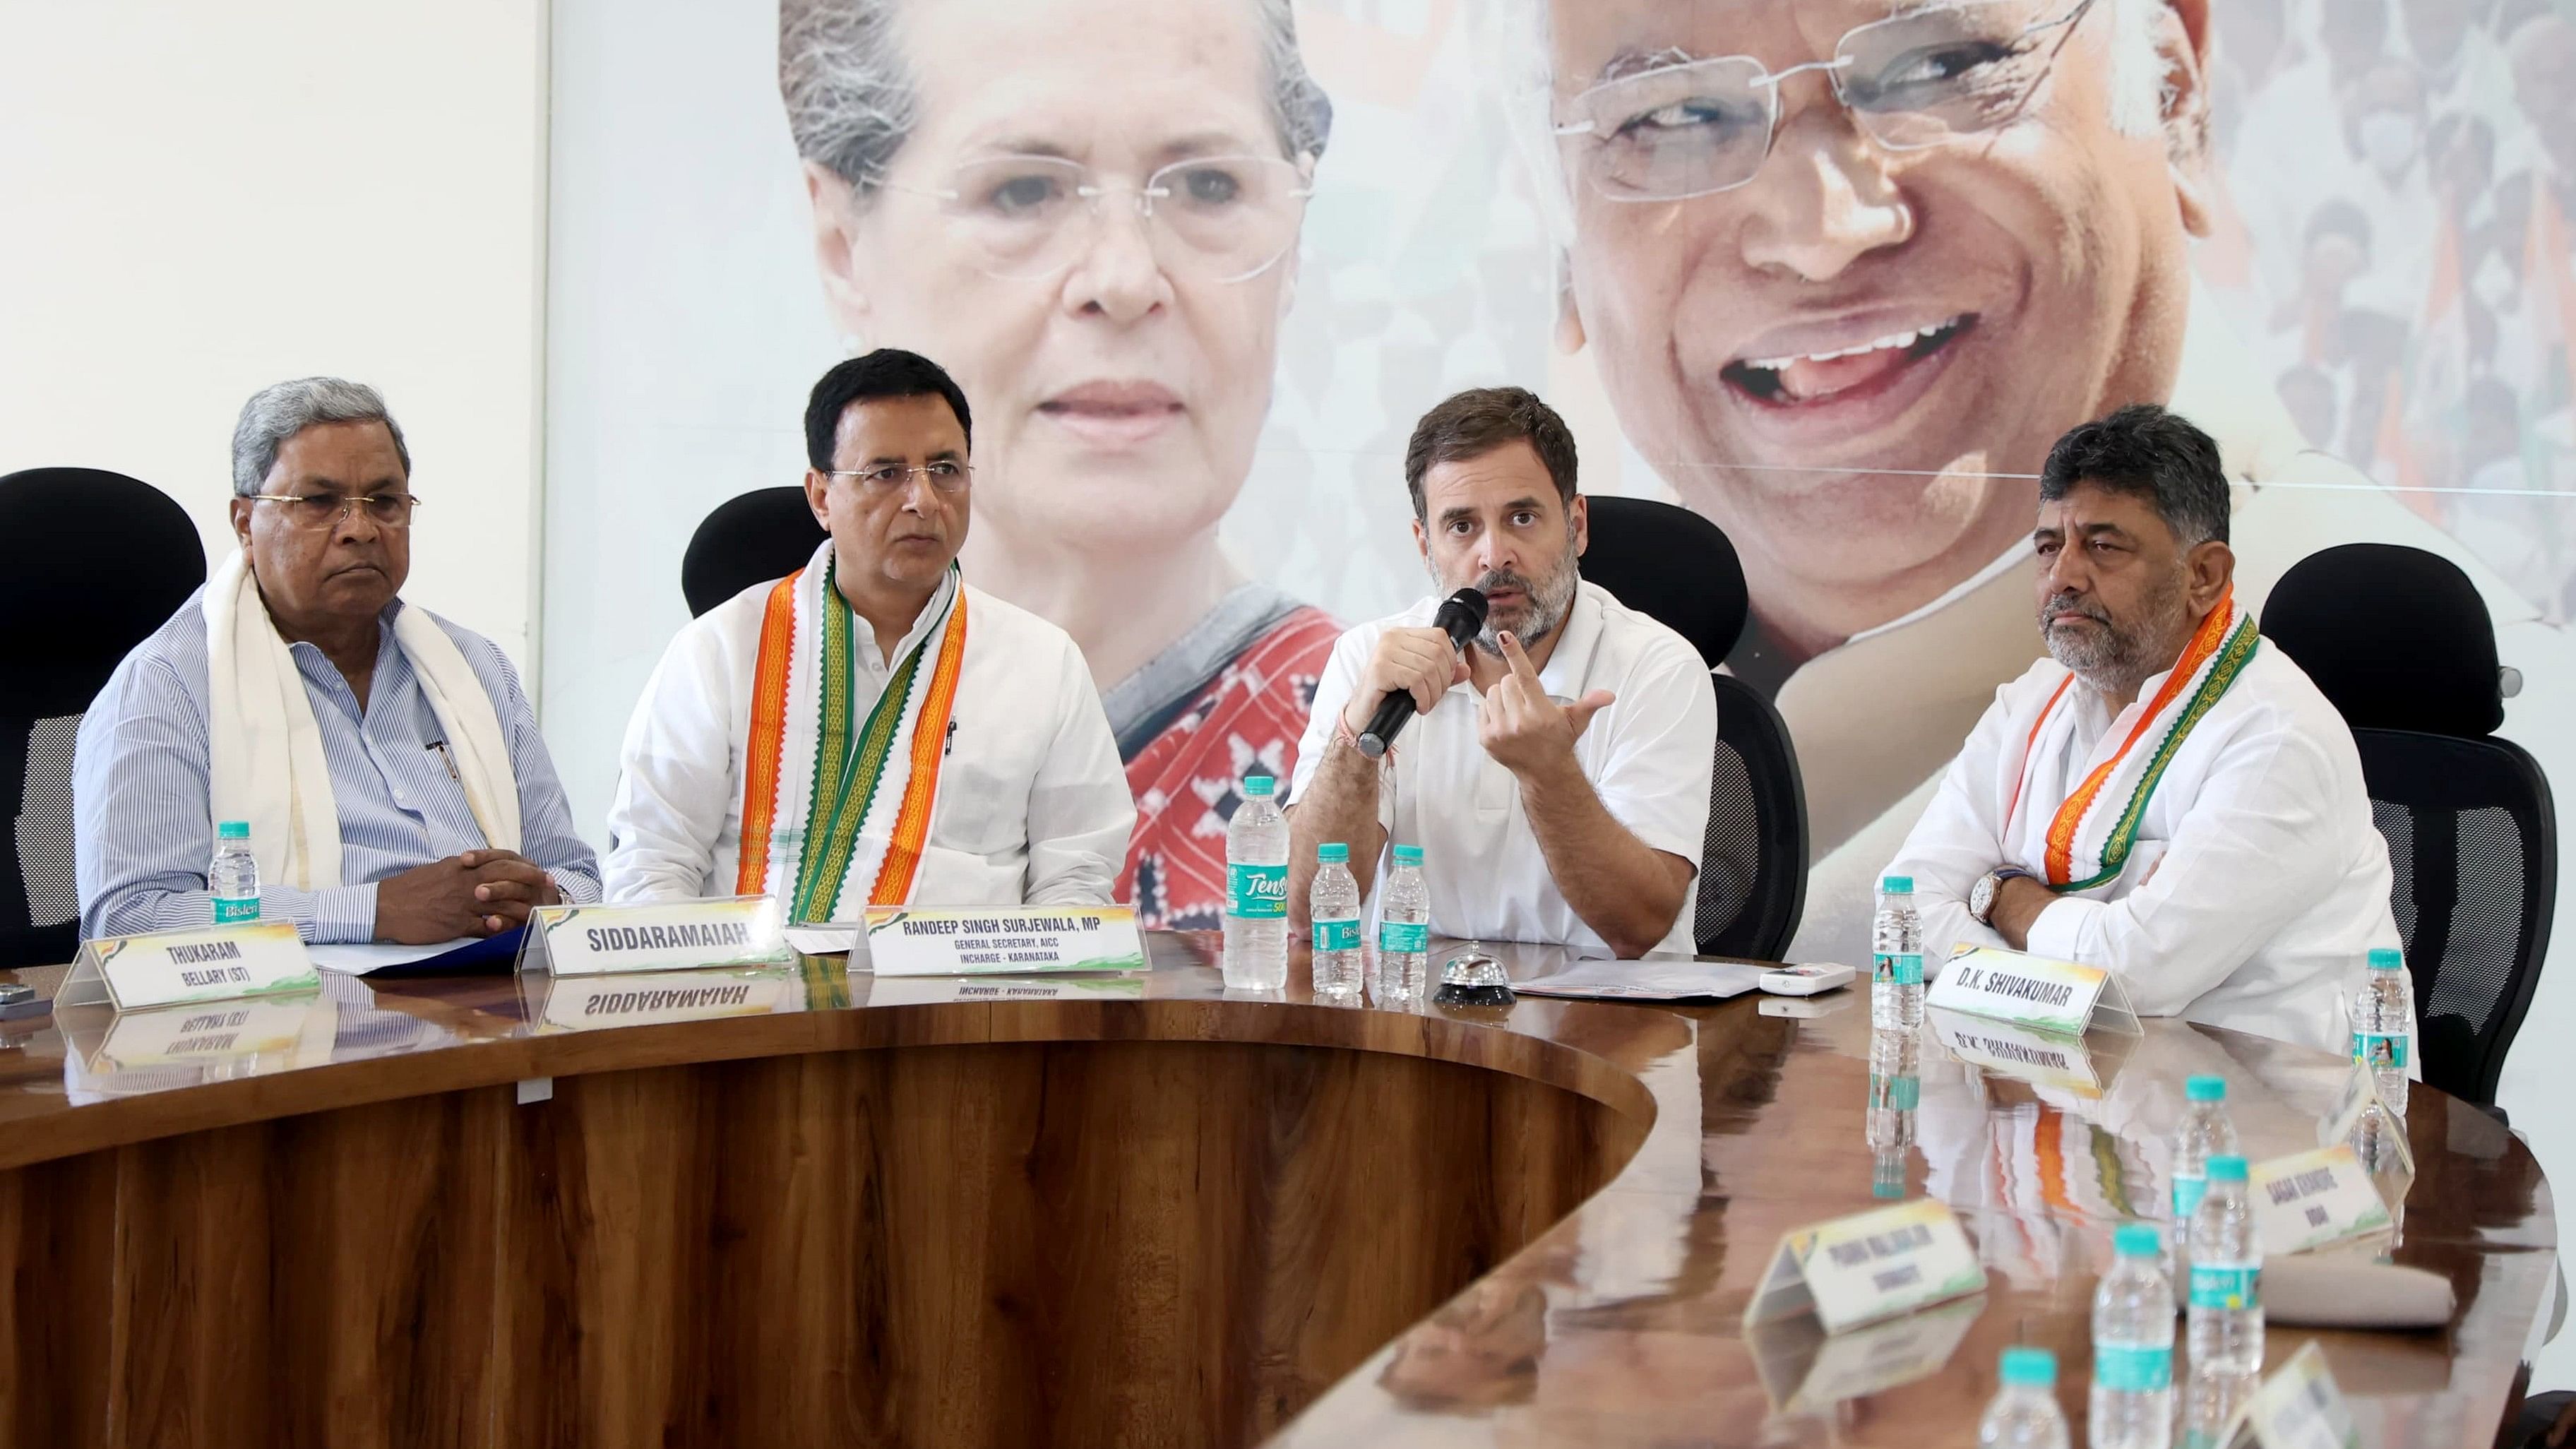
280 411
1519 56
851 102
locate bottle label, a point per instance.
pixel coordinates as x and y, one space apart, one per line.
1895 1094
235 910
1403 937
1897 970
2186 1197
1337 935
2133 1368
2226 1286
2380 1051
1256 892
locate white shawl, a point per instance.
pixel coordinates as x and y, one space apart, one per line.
266 765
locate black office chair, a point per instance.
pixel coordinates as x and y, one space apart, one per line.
2400 641
1679 569
97 561
762 535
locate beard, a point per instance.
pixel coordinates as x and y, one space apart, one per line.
1549 598
2110 655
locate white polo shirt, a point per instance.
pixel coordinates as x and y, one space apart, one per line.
1649 756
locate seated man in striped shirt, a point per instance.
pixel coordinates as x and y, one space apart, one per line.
389 769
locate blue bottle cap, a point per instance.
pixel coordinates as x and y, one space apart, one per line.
1258 787
2206 1089
2383 959
2029 1368
233 830
1897 885
1408 855
2138 1240
2226 1169
1334 853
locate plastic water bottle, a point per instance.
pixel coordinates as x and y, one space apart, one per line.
2025 1414
1334 906
1256 891
1895 1094
1403 930
2133 1338
2226 1274
1896 957
2206 1133
233 876
2383 1023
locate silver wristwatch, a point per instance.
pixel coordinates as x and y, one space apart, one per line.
1981 897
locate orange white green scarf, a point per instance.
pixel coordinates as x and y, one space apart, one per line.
2084 840
835 807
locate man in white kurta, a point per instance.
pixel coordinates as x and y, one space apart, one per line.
881 731
1557 776
2167 797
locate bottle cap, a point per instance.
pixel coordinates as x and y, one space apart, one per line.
2226 1169
1258 787
2138 1240
1408 855
1333 853
2206 1089
233 830
2030 1368
2383 959
1897 885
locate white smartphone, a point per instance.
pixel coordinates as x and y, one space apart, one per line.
1806 980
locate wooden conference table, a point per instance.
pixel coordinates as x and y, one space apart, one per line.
1140 1213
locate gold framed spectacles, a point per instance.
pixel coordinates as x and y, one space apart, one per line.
947 475
325 510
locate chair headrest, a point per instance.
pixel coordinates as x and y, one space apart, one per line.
101 560
2398 638
765 534
1672 565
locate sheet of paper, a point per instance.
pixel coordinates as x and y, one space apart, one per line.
460 956
1656 978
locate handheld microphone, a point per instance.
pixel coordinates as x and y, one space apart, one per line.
1461 617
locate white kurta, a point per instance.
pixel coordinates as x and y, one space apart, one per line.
1649 756
1033 806
2270 884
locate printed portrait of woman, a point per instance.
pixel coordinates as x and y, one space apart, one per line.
1088 211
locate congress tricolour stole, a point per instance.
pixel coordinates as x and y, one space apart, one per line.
836 807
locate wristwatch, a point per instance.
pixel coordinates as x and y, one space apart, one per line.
1981 898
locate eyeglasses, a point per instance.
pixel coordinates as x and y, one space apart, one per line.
1221 218
325 510
947 475
1695 127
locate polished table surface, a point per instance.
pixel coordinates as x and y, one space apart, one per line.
1593 1240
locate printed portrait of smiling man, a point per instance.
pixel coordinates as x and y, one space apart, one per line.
1846 269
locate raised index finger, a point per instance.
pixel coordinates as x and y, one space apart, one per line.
1519 661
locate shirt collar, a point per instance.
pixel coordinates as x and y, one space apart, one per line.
932 613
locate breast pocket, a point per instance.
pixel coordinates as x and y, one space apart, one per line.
984 779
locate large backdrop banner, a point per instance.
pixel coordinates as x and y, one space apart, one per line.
1832 273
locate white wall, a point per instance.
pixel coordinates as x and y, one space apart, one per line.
200 199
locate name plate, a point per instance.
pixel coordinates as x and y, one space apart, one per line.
673 936
1811 1376
2044 1058
592 1003
2314 1199
217 964
1002 940
940 991
1869 1267
2032 991
2302 1407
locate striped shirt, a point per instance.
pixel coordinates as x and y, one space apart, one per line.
141 796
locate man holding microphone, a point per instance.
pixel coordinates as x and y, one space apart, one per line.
1558 777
